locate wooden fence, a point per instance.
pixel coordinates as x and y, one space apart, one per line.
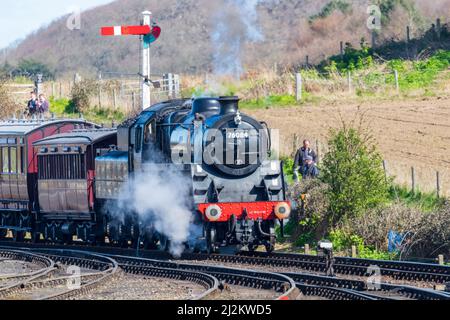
111 93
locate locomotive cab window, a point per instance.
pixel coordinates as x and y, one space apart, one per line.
150 133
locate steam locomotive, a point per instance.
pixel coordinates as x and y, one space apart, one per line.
69 177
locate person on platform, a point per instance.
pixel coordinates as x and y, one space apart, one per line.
43 104
32 105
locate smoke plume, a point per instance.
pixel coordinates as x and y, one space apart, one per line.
236 23
160 197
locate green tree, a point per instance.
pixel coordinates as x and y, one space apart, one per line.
353 170
32 68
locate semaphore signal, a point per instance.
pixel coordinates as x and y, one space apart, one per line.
148 33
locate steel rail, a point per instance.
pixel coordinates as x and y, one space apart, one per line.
405 266
108 268
22 280
210 283
309 263
361 287
248 278
66 256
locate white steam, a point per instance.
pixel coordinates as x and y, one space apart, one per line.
160 196
235 24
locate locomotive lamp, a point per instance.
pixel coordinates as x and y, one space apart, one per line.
213 213
282 211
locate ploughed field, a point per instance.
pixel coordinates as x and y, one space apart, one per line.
409 133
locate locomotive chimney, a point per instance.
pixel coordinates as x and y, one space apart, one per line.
229 105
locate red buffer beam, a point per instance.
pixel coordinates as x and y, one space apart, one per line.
126 30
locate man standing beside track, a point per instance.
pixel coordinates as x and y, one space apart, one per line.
306 162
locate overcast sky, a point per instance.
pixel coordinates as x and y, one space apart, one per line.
21 17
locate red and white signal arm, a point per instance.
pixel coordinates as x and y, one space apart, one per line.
153 32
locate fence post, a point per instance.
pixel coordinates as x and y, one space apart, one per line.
349 81
441 259
295 144
133 101
342 49
176 80
408 34
307 61
298 86
354 253
114 99
53 90
385 170
397 85
60 90
318 151
438 28
100 96
307 249
413 180
438 185
374 39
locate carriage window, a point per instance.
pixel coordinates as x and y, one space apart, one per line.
62 167
21 158
5 160
13 159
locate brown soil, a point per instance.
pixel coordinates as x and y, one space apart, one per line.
409 133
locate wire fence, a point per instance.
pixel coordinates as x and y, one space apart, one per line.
413 176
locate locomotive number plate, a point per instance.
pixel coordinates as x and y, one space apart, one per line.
238 134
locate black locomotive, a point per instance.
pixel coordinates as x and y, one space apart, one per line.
237 192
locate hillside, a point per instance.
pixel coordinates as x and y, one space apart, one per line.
204 35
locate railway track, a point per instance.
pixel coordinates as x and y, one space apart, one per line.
52 283
404 270
106 267
308 283
11 283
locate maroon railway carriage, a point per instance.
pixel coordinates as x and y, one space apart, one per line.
66 177
18 164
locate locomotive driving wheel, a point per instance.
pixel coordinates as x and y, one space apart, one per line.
211 238
270 244
164 243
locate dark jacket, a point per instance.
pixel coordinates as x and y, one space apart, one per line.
32 106
303 155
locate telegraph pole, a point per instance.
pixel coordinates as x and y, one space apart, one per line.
145 64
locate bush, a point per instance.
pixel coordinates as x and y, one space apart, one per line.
81 94
310 224
353 170
426 234
8 106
